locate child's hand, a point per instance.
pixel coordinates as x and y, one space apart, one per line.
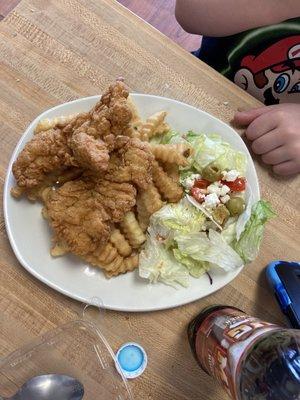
275 134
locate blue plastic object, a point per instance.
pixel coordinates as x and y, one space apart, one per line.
132 360
284 279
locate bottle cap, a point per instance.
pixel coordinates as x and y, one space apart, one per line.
132 360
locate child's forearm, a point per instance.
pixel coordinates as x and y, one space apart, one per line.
227 17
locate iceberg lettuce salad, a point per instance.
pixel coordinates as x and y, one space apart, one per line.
215 225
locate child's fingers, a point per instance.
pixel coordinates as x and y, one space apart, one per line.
287 168
245 118
267 142
260 126
277 156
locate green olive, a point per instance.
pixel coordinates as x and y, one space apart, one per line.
220 214
212 173
236 206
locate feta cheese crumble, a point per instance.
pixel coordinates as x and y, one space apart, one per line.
218 188
225 198
188 182
211 200
231 175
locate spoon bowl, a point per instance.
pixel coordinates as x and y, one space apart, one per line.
50 387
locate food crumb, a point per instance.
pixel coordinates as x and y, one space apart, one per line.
225 103
18 80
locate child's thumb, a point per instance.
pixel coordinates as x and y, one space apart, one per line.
244 118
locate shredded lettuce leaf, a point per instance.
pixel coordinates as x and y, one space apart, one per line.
249 242
168 138
195 268
180 217
177 246
245 216
212 148
211 248
229 233
159 265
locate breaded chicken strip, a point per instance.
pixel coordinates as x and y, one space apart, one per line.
131 161
90 153
54 150
111 115
77 217
81 212
46 152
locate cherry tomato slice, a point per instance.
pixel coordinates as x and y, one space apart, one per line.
198 196
201 183
236 186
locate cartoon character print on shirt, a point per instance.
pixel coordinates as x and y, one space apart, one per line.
273 76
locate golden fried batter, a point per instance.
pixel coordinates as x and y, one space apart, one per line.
87 170
77 216
89 152
69 144
81 211
46 152
111 115
57 179
116 198
131 162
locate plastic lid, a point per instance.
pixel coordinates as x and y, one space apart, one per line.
78 349
132 360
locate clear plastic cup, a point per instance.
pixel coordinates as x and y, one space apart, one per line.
77 349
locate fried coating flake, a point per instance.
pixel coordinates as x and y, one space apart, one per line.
46 152
131 161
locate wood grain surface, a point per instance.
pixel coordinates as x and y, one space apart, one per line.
158 13
53 51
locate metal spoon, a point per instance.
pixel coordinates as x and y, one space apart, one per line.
49 387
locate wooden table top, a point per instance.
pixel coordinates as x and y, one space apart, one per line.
53 51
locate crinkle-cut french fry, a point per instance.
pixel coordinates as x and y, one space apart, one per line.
148 202
171 169
128 264
120 242
163 128
152 125
172 153
136 119
131 262
170 190
104 255
132 230
115 267
108 254
143 215
135 122
47 123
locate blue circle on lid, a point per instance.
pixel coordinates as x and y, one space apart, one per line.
132 360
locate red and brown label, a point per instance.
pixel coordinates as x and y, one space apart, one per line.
222 340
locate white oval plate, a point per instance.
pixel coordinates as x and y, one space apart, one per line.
30 235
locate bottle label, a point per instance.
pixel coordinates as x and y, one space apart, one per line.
221 342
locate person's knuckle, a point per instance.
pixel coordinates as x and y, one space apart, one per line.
250 132
289 131
294 151
266 159
277 169
257 147
281 115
